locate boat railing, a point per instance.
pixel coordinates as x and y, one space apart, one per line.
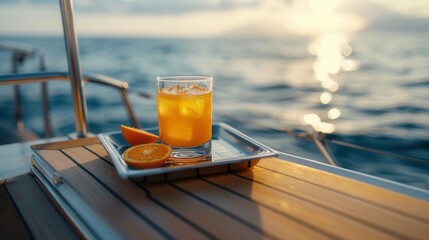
20 54
74 76
44 77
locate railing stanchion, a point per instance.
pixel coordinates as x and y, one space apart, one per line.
75 70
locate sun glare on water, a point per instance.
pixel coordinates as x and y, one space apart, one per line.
332 51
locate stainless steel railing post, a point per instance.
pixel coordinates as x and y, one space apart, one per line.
45 96
75 70
17 59
323 149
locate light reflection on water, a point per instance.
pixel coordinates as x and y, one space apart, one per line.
332 51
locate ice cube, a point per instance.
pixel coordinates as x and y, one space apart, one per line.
165 90
183 86
195 89
192 107
185 90
174 90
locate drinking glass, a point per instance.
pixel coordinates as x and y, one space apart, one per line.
185 115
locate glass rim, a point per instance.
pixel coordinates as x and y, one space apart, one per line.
184 78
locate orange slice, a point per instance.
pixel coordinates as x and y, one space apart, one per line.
149 155
136 136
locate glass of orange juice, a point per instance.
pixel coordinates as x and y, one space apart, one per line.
185 115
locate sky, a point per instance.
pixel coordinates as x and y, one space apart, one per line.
215 18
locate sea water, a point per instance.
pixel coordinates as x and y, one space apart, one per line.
363 90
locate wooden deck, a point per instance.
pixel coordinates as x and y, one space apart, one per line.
276 199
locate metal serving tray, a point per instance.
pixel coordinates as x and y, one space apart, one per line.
228 146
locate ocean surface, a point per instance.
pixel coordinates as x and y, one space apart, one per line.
370 90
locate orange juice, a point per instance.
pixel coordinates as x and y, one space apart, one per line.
185 116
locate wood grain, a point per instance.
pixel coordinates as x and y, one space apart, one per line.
107 207
272 223
275 200
213 221
42 219
414 207
65 144
191 209
349 206
133 194
11 224
316 216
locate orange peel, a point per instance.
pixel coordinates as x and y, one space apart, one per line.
136 136
149 155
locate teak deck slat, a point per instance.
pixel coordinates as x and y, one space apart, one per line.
105 204
41 218
132 194
306 212
279 229
415 207
217 223
275 200
12 227
270 222
194 210
338 202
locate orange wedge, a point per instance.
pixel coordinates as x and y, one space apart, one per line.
149 155
136 136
